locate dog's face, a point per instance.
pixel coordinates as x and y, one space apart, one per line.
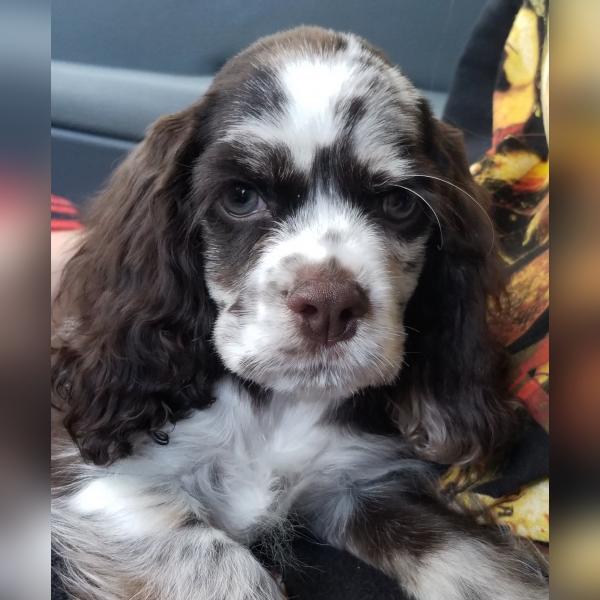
315 229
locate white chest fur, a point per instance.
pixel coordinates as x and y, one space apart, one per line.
252 461
237 464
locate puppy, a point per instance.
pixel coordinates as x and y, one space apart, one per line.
278 317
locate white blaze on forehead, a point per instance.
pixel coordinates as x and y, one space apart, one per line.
317 89
313 86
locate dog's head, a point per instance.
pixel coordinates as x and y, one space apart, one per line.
309 226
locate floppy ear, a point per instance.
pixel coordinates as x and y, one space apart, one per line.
453 404
136 354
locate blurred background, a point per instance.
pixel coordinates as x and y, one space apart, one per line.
118 64
575 315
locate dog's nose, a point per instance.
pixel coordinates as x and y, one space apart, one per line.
328 310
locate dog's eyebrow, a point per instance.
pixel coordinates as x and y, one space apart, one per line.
269 168
269 162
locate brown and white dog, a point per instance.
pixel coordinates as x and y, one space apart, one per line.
278 317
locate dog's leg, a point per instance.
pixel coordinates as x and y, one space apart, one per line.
433 552
119 542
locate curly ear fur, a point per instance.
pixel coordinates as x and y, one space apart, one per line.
453 403
137 355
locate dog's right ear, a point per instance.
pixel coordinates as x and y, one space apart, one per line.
137 354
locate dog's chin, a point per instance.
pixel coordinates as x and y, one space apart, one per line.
333 379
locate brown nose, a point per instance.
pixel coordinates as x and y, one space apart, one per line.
328 310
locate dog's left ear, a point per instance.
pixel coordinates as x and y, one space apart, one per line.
453 405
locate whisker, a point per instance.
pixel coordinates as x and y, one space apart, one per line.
378 330
431 209
481 208
411 328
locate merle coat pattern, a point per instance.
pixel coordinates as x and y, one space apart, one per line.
277 316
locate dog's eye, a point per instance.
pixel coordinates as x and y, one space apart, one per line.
243 201
399 205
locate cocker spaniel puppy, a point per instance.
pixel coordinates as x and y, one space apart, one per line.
278 317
